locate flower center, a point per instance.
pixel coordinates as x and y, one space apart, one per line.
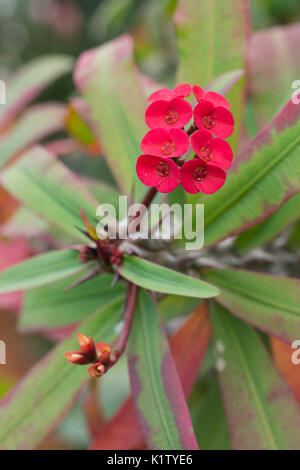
168 148
208 121
199 173
171 117
206 154
163 169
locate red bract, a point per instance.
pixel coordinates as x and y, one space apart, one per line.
217 120
197 176
103 353
212 96
165 143
97 370
212 150
167 94
76 357
168 114
153 171
87 346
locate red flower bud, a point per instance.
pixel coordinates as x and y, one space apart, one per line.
97 370
103 353
76 357
87 346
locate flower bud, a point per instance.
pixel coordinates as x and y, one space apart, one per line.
97 370
103 353
76 357
87 346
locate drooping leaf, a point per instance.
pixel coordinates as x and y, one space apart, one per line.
188 346
208 416
212 39
263 414
53 305
271 303
30 80
159 279
158 397
109 81
51 190
264 176
40 270
269 228
36 123
33 408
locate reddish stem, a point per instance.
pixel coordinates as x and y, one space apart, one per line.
149 197
128 318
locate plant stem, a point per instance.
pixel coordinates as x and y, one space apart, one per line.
128 318
149 197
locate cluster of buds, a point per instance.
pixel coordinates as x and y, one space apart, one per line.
166 146
98 355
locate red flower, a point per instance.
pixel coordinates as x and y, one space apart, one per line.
197 176
103 353
215 98
87 346
168 114
212 150
97 369
76 357
166 94
153 171
165 143
217 120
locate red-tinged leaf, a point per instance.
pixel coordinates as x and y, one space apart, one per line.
261 411
282 354
271 303
8 205
79 125
263 176
29 81
12 252
281 46
36 404
188 347
109 81
36 123
212 39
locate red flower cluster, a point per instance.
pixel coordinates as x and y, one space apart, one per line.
165 147
98 354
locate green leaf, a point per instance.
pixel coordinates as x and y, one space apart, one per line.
51 190
271 227
281 46
263 413
52 306
158 397
40 270
110 83
34 407
159 279
212 39
208 416
30 80
262 178
172 306
271 303
36 123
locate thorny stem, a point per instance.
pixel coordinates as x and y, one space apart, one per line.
128 318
